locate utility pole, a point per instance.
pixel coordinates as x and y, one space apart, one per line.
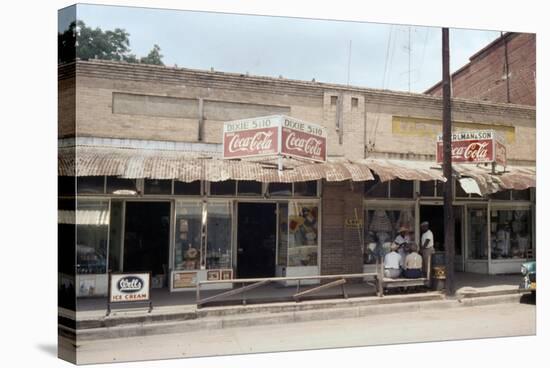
448 216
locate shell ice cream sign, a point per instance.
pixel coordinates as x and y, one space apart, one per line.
274 135
480 146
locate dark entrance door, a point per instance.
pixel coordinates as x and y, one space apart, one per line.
257 224
434 215
146 237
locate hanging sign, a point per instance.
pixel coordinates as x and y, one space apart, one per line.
479 146
274 135
129 287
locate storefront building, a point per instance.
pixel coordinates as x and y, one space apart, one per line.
143 185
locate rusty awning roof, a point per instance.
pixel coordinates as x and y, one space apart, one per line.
187 166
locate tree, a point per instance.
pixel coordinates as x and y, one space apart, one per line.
86 43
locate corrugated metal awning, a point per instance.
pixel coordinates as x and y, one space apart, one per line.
388 169
191 166
515 177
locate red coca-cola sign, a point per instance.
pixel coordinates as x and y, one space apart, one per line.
474 147
274 135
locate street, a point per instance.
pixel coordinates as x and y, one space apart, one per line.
430 325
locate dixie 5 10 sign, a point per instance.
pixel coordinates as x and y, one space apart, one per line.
274 135
480 146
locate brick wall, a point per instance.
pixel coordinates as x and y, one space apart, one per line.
484 78
341 246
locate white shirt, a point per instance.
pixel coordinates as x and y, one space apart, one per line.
427 235
392 260
401 239
413 261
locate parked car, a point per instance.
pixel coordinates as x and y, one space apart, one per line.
529 272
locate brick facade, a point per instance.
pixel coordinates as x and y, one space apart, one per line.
484 77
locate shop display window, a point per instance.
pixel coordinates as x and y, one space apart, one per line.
382 227
155 186
92 226
188 234
282 246
305 188
280 189
120 186
303 234
218 238
193 188
249 188
511 233
222 187
521 195
477 241
90 184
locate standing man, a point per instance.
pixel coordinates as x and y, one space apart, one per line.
427 244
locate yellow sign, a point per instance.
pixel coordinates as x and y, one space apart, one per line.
353 223
422 127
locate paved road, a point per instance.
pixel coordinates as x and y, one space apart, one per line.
457 323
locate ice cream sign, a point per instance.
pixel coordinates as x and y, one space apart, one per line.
274 135
479 146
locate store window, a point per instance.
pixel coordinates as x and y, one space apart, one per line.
503 195
218 238
90 184
92 226
156 186
280 189
376 189
249 188
222 188
188 234
120 186
382 226
511 233
282 246
401 188
303 234
305 188
521 195
193 188
432 188
477 233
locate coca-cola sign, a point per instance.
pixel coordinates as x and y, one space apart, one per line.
305 140
274 135
474 147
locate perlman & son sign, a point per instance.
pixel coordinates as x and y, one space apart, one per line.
274 135
479 146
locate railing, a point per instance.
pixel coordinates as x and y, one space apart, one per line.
253 283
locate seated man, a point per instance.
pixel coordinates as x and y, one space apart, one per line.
391 262
413 263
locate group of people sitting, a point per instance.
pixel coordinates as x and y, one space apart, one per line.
403 259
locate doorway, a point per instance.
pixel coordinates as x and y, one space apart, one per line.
256 240
146 237
434 215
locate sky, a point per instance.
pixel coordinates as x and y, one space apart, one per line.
396 57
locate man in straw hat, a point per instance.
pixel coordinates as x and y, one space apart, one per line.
392 262
402 240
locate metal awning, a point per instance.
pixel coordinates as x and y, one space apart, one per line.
387 169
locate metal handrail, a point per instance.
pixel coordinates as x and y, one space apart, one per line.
263 281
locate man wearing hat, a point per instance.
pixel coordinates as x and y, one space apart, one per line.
402 240
427 243
392 262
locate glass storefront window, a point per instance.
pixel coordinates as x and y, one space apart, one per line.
218 238
401 188
510 233
222 187
282 250
382 227
521 195
503 195
92 225
90 184
376 189
192 188
249 188
280 189
303 234
119 186
154 186
477 233
188 235
305 188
